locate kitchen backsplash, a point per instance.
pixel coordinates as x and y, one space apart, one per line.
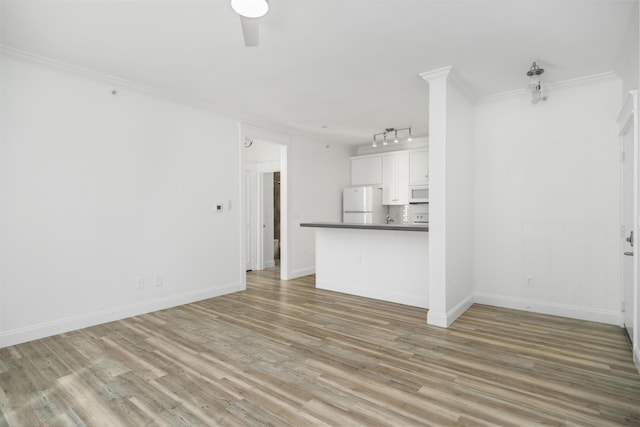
406 214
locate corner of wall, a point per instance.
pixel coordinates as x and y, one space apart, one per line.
437 319
444 320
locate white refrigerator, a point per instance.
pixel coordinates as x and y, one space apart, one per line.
362 205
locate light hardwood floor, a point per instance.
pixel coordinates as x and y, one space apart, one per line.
284 353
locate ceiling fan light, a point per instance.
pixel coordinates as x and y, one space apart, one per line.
250 8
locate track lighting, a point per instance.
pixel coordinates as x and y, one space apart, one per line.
386 132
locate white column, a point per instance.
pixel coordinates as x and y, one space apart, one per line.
450 198
437 80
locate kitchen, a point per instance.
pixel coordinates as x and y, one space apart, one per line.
381 248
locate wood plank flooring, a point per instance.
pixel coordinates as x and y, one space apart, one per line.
284 353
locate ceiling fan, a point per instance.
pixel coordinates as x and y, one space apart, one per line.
250 12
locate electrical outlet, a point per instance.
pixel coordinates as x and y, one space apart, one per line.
158 280
529 282
140 283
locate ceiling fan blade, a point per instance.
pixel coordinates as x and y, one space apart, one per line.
250 30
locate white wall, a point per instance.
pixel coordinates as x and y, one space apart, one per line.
546 202
317 174
459 201
267 154
99 190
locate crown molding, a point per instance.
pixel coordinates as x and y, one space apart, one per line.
436 74
451 75
113 80
609 75
121 83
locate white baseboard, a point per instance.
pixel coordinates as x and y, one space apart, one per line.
437 318
385 295
269 264
444 320
301 272
636 357
543 307
459 309
42 330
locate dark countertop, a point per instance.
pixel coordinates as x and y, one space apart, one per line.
395 227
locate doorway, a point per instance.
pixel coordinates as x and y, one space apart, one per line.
271 219
264 159
276 218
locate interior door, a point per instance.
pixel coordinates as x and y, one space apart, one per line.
249 187
267 221
629 244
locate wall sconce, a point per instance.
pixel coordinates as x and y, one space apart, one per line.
535 87
387 131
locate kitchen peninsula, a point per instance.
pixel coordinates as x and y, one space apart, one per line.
389 262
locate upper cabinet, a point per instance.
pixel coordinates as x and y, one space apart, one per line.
366 170
393 171
419 167
395 178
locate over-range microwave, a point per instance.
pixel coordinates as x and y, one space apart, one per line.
418 194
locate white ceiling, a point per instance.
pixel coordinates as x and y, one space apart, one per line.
348 65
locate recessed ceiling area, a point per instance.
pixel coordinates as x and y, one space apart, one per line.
345 69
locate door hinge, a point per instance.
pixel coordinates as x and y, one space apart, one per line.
622 157
623 306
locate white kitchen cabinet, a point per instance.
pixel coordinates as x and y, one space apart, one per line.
366 170
419 167
395 178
